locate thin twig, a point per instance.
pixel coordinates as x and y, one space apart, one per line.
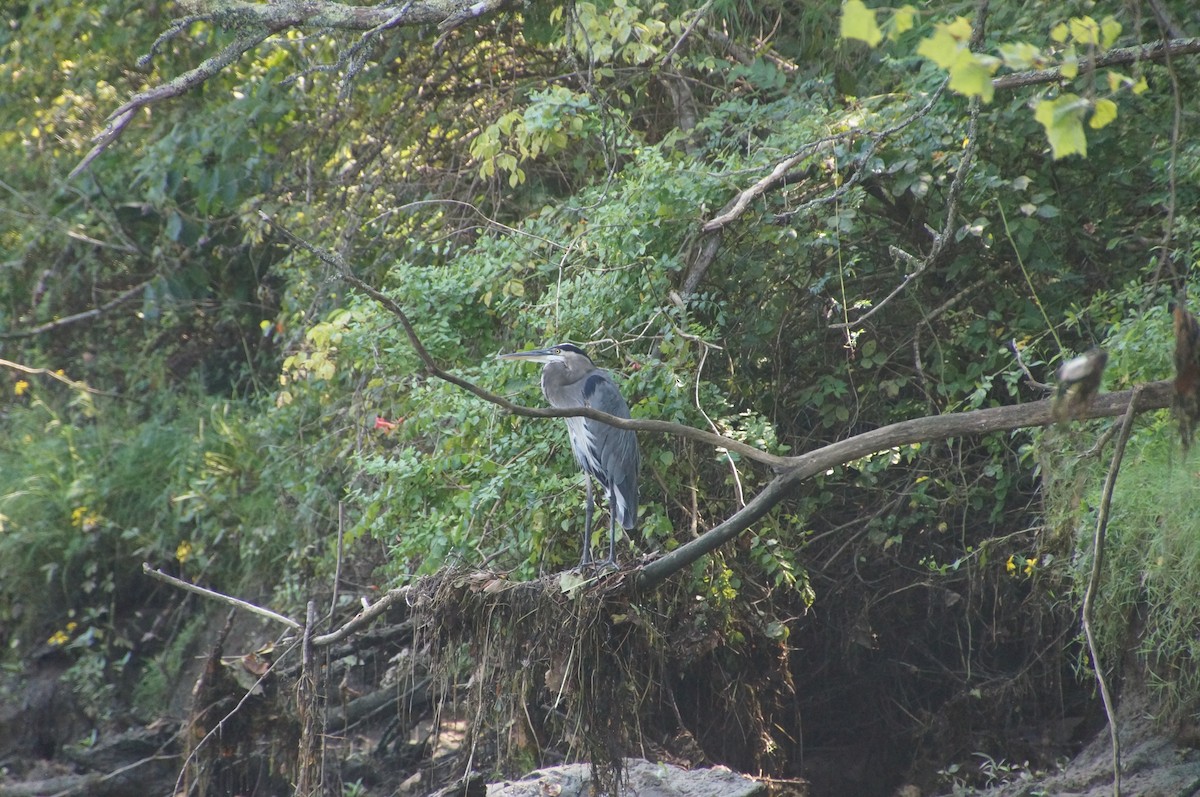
223 598
700 12
120 118
947 233
77 317
1093 585
1029 377
66 380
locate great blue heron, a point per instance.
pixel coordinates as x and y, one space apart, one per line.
571 379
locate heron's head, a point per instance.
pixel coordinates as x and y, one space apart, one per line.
568 354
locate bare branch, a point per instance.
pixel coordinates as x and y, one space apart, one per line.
189 80
77 317
232 601
369 613
66 380
1152 396
737 206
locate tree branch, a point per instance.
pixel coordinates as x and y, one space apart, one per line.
120 118
85 315
1156 51
255 22
434 369
66 380
232 601
1153 396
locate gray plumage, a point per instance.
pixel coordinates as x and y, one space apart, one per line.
609 454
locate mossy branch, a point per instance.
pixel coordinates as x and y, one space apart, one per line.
256 22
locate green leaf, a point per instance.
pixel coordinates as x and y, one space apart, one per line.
1084 30
1063 120
902 21
1104 112
858 22
971 75
1020 55
947 42
941 48
1110 29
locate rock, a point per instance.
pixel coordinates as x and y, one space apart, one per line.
645 779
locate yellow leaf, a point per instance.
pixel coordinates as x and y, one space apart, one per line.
1140 86
858 22
1115 80
1084 30
902 21
1059 32
941 48
1020 55
1104 112
1063 120
960 28
1110 29
970 77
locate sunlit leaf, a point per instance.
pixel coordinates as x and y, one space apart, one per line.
902 21
1063 120
972 77
941 48
1020 55
1084 30
858 22
1104 112
1110 29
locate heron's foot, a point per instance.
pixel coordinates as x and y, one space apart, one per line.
600 565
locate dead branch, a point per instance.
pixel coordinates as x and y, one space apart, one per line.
1093 585
1153 396
208 593
77 317
66 380
120 118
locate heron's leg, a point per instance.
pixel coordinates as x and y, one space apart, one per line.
587 524
612 534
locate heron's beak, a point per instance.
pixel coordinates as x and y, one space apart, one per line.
536 355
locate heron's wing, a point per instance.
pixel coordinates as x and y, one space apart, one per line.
611 454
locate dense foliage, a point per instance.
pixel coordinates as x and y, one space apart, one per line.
545 175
